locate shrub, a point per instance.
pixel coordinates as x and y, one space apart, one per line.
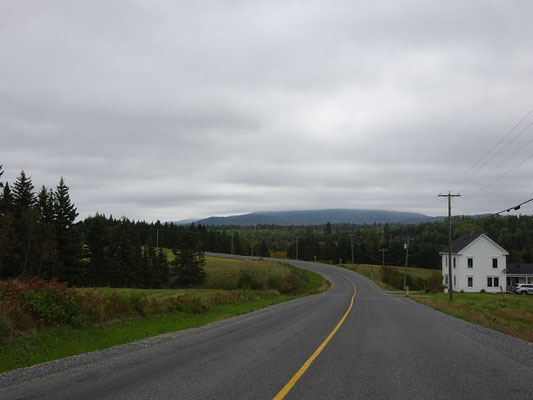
434 283
248 279
33 303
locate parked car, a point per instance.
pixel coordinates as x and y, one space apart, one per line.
523 288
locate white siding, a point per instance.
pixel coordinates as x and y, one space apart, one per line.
482 251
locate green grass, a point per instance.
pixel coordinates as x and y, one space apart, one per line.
373 272
50 345
414 272
220 296
224 272
508 313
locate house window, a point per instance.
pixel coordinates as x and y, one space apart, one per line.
496 281
470 263
446 261
494 263
445 279
454 281
489 281
454 261
470 281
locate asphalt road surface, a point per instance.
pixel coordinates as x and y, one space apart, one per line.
386 348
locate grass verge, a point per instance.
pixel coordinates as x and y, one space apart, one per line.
507 313
44 321
39 347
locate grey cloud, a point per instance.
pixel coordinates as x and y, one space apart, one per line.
185 109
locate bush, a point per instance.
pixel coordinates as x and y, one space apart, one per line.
35 303
248 279
435 283
392 277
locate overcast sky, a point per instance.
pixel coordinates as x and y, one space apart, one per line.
176 109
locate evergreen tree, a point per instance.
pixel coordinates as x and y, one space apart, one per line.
26 219
97 241
162 267
187 269
46 241
23 196
9 257
6 200
68 240
125 261
45 203
263 249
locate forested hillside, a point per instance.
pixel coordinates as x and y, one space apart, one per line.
317 217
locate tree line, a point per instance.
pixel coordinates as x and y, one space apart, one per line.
334 243
39 236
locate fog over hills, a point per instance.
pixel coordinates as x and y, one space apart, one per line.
316 217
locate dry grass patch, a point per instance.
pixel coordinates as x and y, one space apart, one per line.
507 313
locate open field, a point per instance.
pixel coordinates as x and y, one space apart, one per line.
508 313
42 321
374 272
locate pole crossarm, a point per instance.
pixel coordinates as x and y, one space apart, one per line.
450 280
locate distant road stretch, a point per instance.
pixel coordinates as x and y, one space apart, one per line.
329 346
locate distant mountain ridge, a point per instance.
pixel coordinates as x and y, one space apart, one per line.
318 217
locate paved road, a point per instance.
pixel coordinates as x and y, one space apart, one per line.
387 348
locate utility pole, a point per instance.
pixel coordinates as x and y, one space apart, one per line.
406 261
231 242
450 284
296 248
383 256
157 238
351 245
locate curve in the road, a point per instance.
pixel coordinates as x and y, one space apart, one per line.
387 348
283 392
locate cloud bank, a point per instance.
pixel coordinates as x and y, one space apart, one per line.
170 110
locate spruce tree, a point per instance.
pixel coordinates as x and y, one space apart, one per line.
26 220
9 259
97 241
23 196
162 267
68 240
45 203
6 200
187 269
46 241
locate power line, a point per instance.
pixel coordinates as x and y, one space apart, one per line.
517 207
458 181
496 180
467 174
504 161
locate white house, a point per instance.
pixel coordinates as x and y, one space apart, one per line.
478 263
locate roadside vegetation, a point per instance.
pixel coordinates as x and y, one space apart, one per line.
392 278
45 320
503 312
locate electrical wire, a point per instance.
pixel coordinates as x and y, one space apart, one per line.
458 181
505 160
495 180
515 208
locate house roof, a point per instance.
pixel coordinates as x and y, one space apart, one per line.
519 269
461 242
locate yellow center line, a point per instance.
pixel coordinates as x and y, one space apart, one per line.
283 392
